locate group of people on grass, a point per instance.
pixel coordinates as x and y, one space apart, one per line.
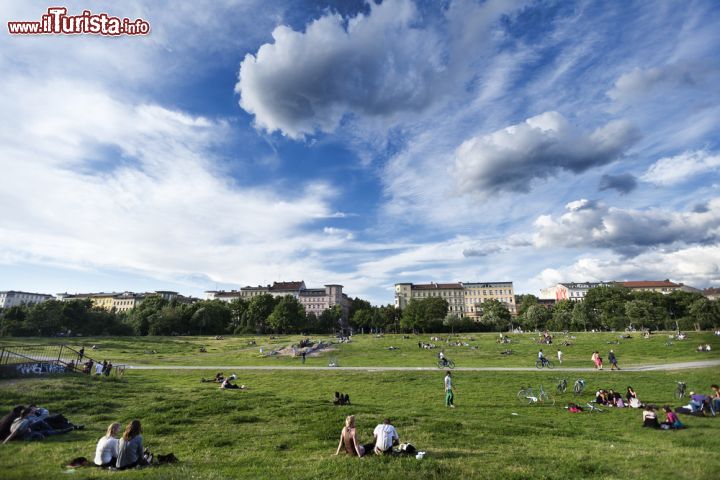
385 437
611 398
122 452
103 368
33 423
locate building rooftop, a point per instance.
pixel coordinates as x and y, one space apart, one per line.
436 286
650 284
287 286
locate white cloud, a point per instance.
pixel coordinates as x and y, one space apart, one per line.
587 224
375 65
697 266
157 205
676 169
632 86
511 158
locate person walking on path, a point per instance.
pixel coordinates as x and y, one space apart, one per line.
303 357
449 395
560 356
613 360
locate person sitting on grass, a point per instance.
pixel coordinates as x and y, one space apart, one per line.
630 394
715 398
650 417
130 447
106 451
671 419
7 421
20 428
348 439
384 437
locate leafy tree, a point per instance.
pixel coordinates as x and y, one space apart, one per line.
524 302
330 318
704 313
357 304
422 314
606 306
535 317
259 309
582 316
287 315
496 315
561 316
238 316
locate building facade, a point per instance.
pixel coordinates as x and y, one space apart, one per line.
465 299
315 300
13 298
661 286
575 292
124 301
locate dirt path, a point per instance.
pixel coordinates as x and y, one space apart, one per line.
635 368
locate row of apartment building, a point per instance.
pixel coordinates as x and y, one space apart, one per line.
315 300
576 291
120 302
465 299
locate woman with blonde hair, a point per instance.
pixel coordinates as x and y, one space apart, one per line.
348 439
130 447
106 451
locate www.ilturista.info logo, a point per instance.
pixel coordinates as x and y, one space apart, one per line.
58 22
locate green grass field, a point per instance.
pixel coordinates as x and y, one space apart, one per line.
368 350
285 426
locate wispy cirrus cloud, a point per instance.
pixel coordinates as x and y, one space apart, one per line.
682 167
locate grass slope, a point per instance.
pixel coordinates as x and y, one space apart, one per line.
284 426
368 350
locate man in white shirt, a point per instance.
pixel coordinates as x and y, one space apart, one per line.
560 356
449 396
99 368
385 437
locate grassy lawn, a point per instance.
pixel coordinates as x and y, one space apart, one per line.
284 426
368 350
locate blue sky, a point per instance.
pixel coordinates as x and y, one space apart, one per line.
246 142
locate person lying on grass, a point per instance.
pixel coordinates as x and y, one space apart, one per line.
348 439
228 385
7 421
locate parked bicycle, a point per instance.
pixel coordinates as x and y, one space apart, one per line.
680 390
579 386
529 396
541 363
445 363
562 386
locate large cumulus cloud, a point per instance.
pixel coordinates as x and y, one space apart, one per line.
541 146
588 224
370 65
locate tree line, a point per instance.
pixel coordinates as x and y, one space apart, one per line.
604 308
618 308
159 316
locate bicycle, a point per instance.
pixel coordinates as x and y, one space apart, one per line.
593 408
447 363
579 386
680 390
539 363
562 386
528 394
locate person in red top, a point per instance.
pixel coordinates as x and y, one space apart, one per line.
672 420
